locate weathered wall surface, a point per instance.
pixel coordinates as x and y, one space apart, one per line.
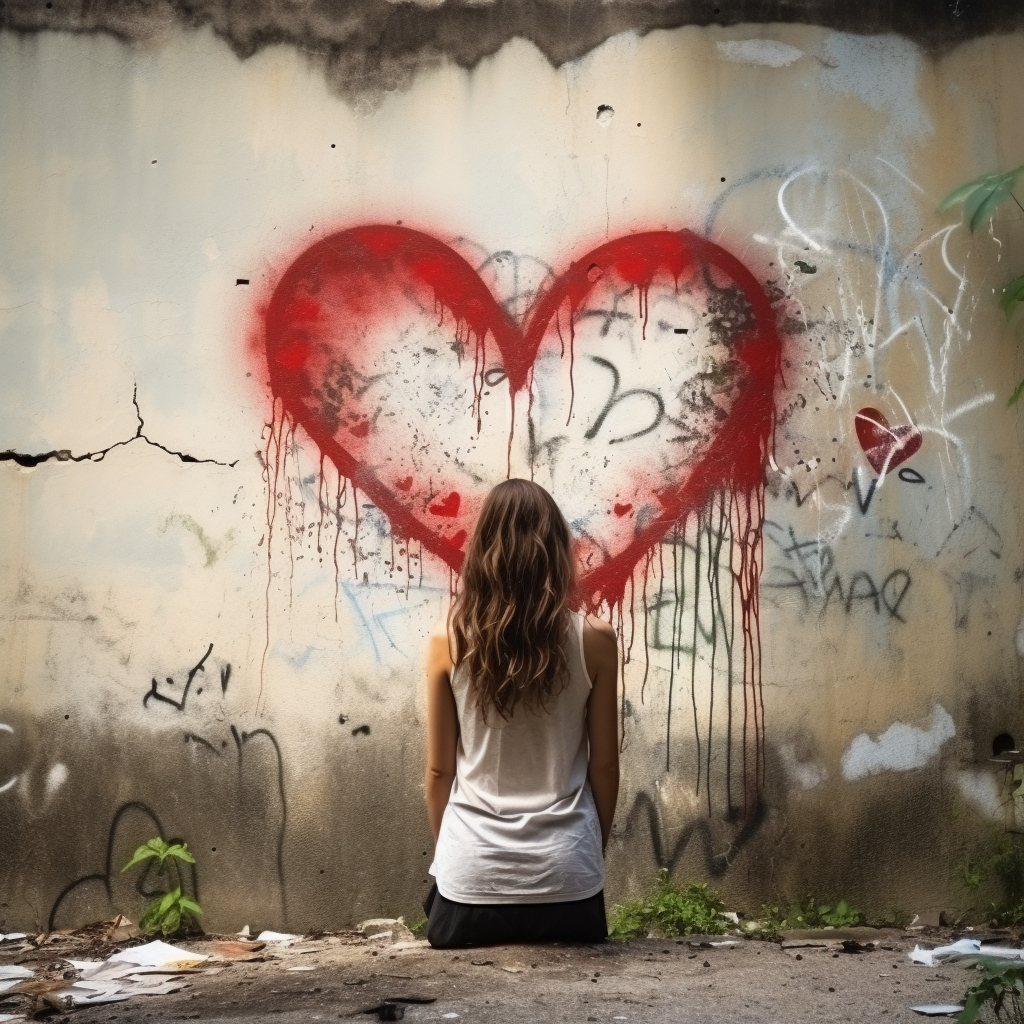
243 447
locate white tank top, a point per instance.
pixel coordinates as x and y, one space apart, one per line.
521 825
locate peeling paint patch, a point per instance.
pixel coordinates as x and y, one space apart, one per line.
55 778
900 748
982 790
769 52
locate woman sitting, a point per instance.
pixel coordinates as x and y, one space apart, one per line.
522 738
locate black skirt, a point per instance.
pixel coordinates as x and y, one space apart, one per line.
452 925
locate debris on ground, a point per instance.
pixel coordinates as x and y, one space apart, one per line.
231 949
963 949
393 928
855 946
937 1009
278 938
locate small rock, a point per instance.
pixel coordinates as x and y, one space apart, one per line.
389 928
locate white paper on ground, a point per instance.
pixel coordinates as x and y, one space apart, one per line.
85 965
4 1017
300 968
162 989
81 997
157 954
961 950
14 971
277 937
13 936
937 1010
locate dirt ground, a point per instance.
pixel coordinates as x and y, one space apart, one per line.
648 980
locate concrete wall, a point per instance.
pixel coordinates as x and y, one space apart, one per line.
211 633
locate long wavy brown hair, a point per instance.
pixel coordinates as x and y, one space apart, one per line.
509 623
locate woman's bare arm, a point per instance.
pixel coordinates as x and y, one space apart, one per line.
600 651
442 730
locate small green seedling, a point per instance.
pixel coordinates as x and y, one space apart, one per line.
169 912
1001 988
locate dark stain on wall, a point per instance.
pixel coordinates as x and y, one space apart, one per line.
368 46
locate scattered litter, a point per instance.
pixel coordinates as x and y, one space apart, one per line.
301 968
449 1016
281 938
937 1010
963 949
707 942
14 971
158 954
13 937
732 916
11 975
231 950
244 933
4 1017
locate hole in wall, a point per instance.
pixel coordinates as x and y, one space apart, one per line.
1002 743
605 113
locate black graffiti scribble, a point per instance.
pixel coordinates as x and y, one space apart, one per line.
644 809
180 704
615 397
816 578
110 871
241 739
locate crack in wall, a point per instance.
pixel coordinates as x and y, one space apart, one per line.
65 454
368 47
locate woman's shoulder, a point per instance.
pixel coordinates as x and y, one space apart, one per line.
600 628
439 647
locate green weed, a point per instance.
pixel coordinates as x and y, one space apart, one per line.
810 912
1001 988
690 909
171 911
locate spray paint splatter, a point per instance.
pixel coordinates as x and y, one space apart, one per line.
367 343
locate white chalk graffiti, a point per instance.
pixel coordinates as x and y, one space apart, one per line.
13 780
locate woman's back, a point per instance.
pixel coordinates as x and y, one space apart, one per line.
521 824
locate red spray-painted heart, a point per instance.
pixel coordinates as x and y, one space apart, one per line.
387 347
885 447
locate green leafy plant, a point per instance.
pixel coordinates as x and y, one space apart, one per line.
980 199
171 911
690 909
970 874
1008 866
810 912
839 915
1000 988
982 196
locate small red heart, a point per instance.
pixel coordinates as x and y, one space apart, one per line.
384 344
621 510
885 447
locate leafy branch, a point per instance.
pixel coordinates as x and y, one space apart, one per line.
980 198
